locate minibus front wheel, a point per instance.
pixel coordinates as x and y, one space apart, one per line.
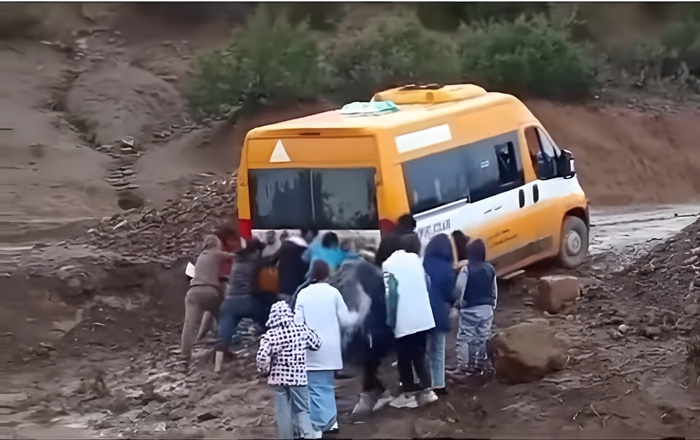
573 248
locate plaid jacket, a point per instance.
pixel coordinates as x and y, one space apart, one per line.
282 353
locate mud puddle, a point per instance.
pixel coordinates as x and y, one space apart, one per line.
630 232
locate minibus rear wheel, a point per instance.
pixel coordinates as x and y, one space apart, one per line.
573 248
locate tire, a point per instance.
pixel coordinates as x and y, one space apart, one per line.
573 251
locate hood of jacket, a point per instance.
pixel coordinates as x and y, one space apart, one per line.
439 248
280 315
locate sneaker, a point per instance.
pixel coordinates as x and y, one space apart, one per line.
425 397
404 400
315 435
335 429
364 406
383 400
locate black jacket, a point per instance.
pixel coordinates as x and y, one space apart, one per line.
291 268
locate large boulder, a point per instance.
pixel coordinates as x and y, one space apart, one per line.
556 292
527 352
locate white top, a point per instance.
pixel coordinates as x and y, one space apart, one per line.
323 308
414 313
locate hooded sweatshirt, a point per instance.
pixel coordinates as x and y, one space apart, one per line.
282 352
408 302
437 261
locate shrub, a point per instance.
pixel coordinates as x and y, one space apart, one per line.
529 56
393 52
447 17
267 61
681 41
319 16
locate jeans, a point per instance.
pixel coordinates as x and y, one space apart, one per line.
436 357
236 307
292 412
324 413
474 333
411 354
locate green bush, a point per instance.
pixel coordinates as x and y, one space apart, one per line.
391 53
446 17
267 61
320 16
681 42
527 56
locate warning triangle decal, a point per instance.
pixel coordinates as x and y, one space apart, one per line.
279 154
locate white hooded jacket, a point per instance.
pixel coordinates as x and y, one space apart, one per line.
404 272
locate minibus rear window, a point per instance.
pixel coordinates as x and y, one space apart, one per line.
321 198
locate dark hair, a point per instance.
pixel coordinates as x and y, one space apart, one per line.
461 241
226 231
312 231
330 240
407 221
476 251
409 243
320 270
252 245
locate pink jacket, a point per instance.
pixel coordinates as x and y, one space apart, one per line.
282 353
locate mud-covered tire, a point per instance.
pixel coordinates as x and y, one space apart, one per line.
573 247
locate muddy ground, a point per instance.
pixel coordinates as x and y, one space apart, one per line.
111 367
93 241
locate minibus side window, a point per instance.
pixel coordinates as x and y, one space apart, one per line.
436 180
542 153
473 172
494 168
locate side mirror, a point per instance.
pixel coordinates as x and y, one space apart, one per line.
565 165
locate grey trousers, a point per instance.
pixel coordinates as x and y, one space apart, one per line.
292 412
199 299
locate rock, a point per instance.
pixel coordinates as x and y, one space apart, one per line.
651 332
527 352
692 309
177 414
11 399
206 416
556 292
623 329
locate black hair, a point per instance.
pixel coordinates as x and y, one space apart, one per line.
461 241
330 240
407 221
409 243
312 231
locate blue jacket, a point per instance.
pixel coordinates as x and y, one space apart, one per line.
334 257
437 262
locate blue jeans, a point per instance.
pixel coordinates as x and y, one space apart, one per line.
324 413
292 412
436 358
474 332
236 307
